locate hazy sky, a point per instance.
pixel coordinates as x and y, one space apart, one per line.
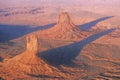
109 6
6 3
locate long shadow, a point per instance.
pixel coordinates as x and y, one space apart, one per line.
1 59
91 24
9 32
44 76
66 54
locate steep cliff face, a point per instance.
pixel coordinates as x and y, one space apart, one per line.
65 29
65 22
27 62
32 43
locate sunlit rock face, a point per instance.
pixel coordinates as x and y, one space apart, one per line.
27 63
64 29
65 22
64 18
29 55
32 43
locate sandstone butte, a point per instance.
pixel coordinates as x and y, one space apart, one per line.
27 63
64 29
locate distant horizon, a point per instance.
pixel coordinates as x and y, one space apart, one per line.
8 3
98 6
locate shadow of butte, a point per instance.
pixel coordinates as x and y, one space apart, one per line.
10 32
65 54
89 25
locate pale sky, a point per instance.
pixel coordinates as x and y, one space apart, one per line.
109 6
67 2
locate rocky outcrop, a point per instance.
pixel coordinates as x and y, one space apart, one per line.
65 29
32 43
28 62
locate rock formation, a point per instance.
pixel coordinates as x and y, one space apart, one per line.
28 62
32 43
64 29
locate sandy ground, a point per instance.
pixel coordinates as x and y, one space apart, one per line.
94 54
